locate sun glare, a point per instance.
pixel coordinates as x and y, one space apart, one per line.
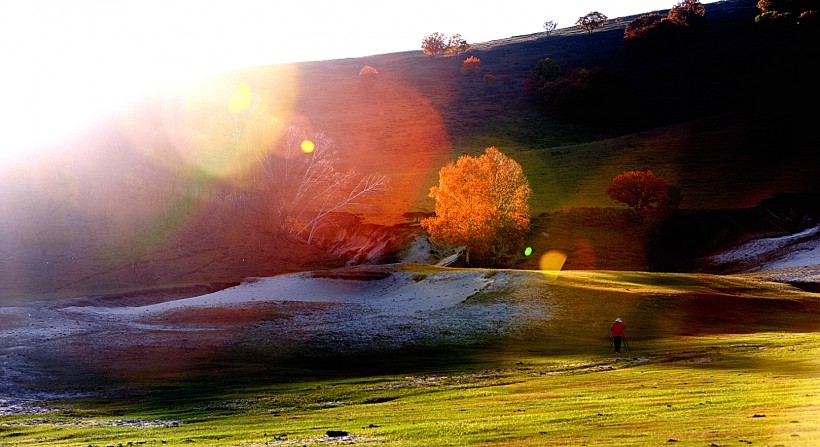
241 98
76 64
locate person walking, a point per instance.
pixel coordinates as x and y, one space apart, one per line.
618 331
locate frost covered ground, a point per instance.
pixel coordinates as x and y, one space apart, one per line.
57 343
795 257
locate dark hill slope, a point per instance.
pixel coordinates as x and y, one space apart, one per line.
716 115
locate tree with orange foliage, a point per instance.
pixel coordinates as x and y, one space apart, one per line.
592 21
643 191
481 204
437 44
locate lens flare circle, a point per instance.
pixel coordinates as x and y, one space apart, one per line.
308 146
552 262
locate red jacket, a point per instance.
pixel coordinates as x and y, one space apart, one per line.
617 329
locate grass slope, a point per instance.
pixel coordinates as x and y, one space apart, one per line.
715 116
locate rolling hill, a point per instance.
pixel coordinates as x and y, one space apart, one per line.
719 115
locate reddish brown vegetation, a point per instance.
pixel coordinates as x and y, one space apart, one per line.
686 14
643 191
481 204
592 21
471 65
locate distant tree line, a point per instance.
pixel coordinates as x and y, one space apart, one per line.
801 12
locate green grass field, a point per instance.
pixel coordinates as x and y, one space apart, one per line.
714 360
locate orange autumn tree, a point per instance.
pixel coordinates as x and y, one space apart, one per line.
482 205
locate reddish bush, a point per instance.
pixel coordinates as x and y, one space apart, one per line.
367 71
658 33
368 76
687 13
471 65
642 26
643 191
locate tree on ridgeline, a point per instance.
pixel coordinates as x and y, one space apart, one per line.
438 44
549 26
644 192
687 13
592 21
660 33
482 205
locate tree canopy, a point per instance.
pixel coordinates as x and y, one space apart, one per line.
437 44
592 21
643 191
481 204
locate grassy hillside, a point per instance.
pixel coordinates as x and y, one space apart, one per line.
718 116
723 360
712 116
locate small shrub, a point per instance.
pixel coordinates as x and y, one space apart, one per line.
642 26
549 26
769 17
419 277
808 18
544 72
368 77
471 65
489 78
368 71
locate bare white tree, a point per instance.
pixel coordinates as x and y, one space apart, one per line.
259 161
307 189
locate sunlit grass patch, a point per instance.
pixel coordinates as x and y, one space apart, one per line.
724 360
720 391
